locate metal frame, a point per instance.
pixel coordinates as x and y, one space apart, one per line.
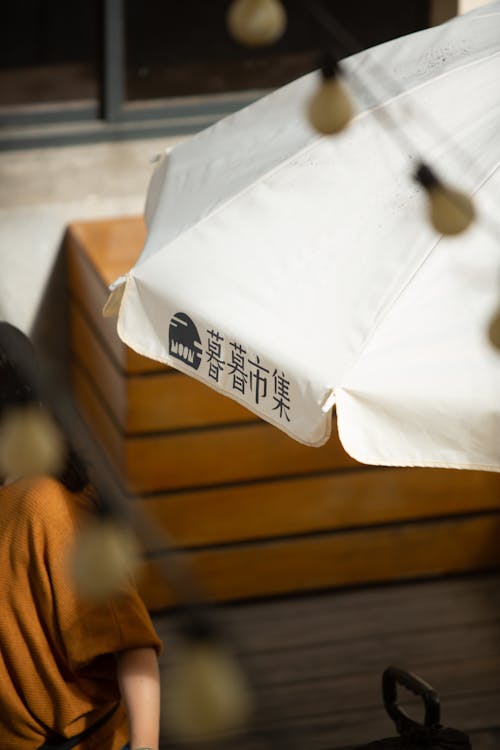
113 118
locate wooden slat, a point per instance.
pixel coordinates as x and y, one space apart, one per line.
159 401
97 419
111 245
99 252
326 502
221 456
374 612
337 656
168 402
381 554
335 701
206 457
354 725
89 352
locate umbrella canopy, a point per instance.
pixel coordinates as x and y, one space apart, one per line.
294 272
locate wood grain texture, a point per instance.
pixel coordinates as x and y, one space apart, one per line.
338 559
88 352
165 461
111 245
444 630
317 503
98 420
156 402
225 455
98 253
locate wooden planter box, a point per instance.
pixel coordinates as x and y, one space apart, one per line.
256 512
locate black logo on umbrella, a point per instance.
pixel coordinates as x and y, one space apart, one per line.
184 342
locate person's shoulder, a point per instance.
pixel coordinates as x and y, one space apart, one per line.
46 499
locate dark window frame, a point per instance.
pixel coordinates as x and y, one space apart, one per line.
112 116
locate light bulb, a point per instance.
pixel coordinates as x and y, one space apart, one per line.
206 694
103 558
450 211
494 330
30 443
256 23
330 109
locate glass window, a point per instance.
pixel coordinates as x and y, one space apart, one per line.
182 48
49 51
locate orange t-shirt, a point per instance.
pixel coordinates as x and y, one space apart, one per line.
57 666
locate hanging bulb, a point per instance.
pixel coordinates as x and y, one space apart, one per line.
494 330
105 555
450 211
206 694
30 443
330 109
256 23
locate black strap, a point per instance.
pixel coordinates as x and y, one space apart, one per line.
66 743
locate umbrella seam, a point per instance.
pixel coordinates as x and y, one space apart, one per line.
310 146
388 304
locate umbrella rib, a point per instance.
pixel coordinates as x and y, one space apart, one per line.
352 45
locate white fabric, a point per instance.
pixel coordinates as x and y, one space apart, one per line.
313 256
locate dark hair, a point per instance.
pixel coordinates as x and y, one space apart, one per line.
19 386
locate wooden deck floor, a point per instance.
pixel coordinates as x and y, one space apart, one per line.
318 658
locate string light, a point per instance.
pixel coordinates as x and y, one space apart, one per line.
30 443
494 330
256 23
451 211
103 559
206 693
330 109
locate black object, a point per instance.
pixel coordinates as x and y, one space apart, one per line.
412 735
58 742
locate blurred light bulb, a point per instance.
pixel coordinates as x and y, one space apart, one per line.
30 443
206 694
104 557
256 23
494 330
330 109
450 211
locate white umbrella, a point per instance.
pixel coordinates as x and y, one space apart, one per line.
294 272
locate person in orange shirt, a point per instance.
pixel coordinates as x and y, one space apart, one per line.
73 673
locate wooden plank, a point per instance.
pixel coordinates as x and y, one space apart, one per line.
221 455
111 245
167 402
87 350
97 419
318 503
352 728
298 622
338 559
341 694
159 401
340 655
99 252
420 646
338 703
